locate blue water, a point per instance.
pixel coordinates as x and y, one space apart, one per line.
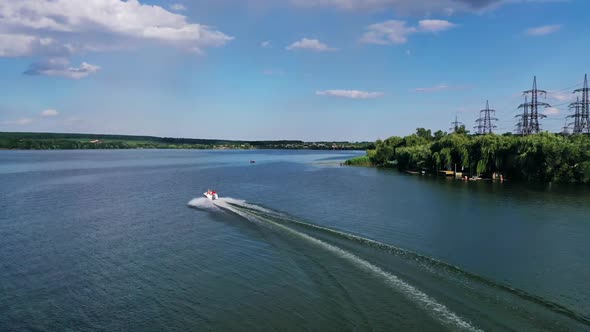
106 240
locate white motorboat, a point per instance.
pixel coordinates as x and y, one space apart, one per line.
211 194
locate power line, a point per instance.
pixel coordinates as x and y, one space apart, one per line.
568 88
529 118
564 103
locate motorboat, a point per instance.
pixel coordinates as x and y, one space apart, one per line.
211 194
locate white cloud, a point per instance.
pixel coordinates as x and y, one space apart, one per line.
551 111
177 7
388 32
22 45
543 30
352 94
60 67
17 45
420 7
265 43
310 44
439 87
79 22
435 25
49 112
397 32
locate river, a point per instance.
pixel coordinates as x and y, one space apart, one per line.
122 240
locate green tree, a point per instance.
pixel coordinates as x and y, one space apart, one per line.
426 134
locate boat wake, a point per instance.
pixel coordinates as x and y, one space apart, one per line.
203 203
494 305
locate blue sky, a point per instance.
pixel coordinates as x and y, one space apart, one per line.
283 69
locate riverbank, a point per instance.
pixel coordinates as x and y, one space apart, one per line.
364 161
543 157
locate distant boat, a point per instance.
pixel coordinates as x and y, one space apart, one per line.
252 161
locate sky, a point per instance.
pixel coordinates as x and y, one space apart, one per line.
333 70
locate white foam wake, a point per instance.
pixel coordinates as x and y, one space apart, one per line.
203 203
438 310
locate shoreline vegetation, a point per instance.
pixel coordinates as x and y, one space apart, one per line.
64 141
543 157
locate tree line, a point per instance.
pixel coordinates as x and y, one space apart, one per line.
543 157
62 141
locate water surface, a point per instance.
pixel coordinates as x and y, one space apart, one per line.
105 240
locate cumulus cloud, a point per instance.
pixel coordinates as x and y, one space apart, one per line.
60 67
352 94
178 7
22 45
115 17
60 28
434 25
265 43
397 32
310 44
435 88
543 30
49 112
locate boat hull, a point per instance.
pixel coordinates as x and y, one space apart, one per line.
211 196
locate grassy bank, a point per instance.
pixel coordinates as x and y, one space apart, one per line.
359 161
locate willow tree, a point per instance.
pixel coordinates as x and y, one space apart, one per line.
451 150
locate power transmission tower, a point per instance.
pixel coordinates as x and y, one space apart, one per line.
584 109
522 127
456 125
532 125
565 130
518 129
578 129
484 123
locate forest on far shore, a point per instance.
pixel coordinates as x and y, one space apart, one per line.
64 141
